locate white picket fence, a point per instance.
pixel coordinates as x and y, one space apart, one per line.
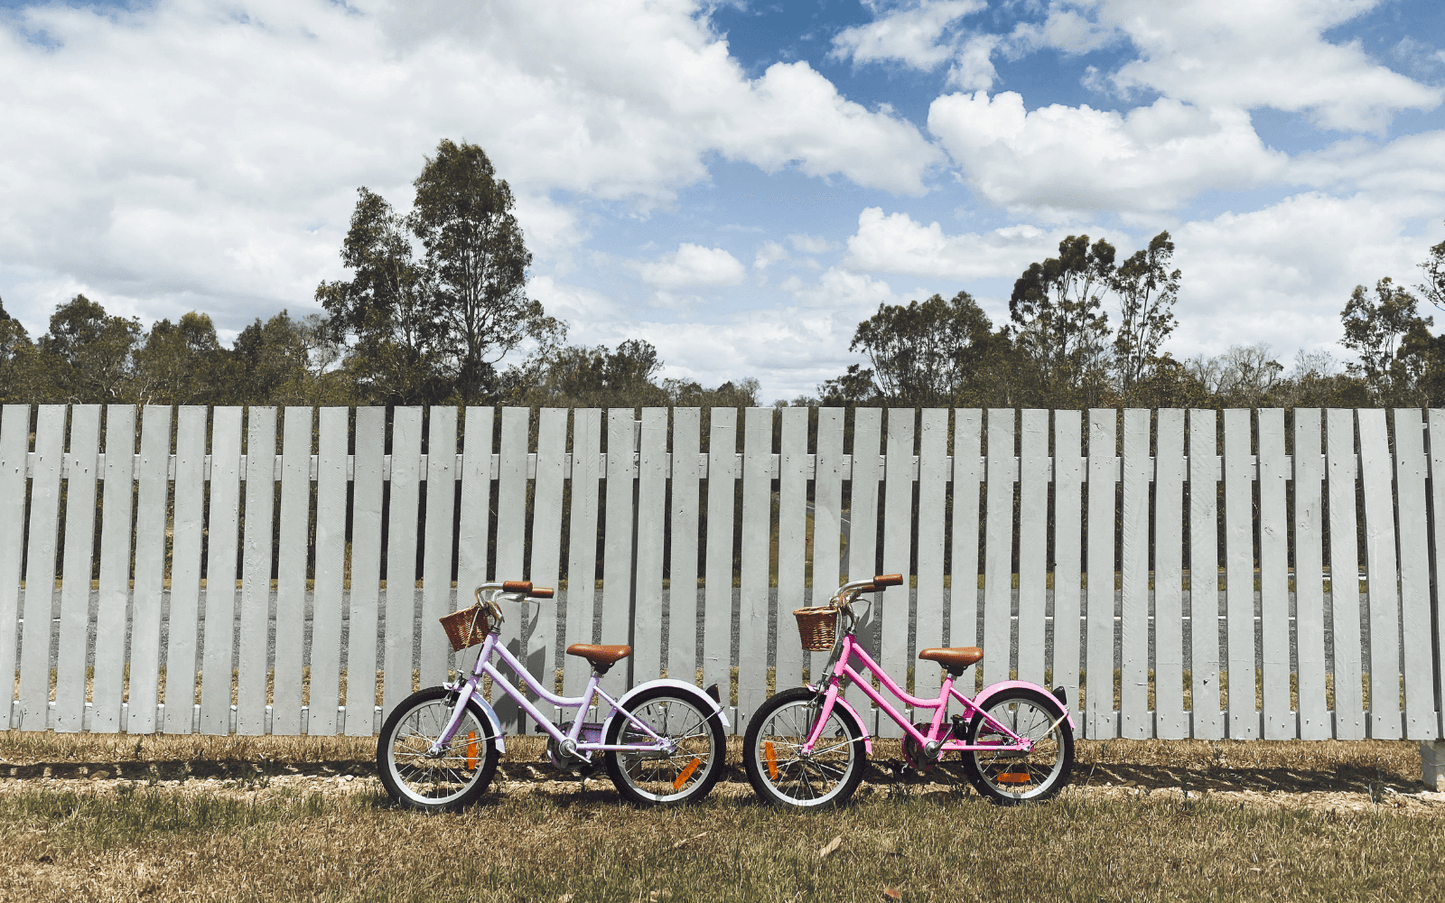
1022 508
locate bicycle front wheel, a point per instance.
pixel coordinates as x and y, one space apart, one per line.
777 768
1010 778
686 772
449 779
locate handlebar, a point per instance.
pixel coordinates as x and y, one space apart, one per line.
522 588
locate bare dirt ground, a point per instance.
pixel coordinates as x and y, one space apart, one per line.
1324 776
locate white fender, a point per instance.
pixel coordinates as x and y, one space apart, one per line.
491 716
708 702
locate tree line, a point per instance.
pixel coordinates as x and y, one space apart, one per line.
436 300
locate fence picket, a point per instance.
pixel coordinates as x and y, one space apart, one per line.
891 605
148 584
402 514
295 538
1033 543
1239 473
580 603
1068 534
1204 602
365 569
511 537
753 601
1382 597
722 475
182 646
684 613
932 495
546 542
652 467
1169 465
1279 720
1309 584
81 461
436 583
1342 473
40 569
326 602
792 543
475 524
14 449
828 524
222 533
867 472
255 616
1421 717
1136 475
617 551
1102 720
1002 475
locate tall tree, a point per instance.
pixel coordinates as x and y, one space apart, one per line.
1373 329
1147 290
17 361
1433 288
432 327
184 363
287 361
926 353
1057 308
86 357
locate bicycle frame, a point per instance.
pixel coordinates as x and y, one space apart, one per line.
571 740
841 671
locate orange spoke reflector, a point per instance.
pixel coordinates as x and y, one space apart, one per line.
472 751
772 758
1013 777
686 773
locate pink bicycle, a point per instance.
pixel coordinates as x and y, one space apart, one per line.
662 741
807 747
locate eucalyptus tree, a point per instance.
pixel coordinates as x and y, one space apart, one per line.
1147 289
1057 308
438 295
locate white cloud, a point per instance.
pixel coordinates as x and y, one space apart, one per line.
770 253
811 244
1057 159
895 243
194 154
1247 54
693 266
913 35
1282 274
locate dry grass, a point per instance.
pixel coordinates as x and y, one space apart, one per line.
119 817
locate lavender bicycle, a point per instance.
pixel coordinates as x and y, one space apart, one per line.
662 741
807 747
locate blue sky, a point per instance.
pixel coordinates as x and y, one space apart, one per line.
739 183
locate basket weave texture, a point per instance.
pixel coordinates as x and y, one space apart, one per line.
466 627
817 627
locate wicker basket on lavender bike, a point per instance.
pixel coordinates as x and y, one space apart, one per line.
466 627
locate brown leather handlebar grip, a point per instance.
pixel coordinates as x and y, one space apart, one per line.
517 586
541 592
883 580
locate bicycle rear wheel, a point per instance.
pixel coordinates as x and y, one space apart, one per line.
1010 778
454 777
685 774
777 768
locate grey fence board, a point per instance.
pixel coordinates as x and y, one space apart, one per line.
813 512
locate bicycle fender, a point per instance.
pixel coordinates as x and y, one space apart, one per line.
840 702
496 723
690 689
991 689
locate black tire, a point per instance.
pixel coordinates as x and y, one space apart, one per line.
685 775
1011 778
435 784
782 777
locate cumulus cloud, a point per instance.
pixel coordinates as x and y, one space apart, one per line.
1246 54
896 243
1058 159
693 266
196 154
1282 274
914 35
